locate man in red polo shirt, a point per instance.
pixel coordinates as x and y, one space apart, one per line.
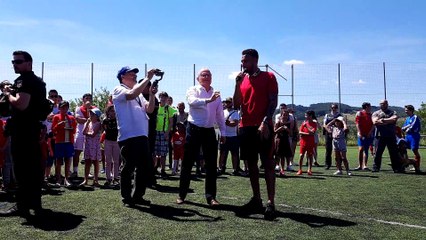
256 92
365 133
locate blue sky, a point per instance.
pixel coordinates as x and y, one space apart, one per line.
186 32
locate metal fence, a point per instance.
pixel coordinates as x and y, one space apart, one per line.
305 84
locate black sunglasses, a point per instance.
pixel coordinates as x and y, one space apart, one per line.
19 61
53 96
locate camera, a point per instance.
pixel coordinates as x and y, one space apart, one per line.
5 107
157 73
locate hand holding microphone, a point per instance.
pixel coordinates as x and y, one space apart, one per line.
240 76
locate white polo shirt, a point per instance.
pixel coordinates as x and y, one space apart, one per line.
132 120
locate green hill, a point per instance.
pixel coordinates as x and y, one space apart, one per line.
323 108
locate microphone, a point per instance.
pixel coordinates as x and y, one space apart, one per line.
239 77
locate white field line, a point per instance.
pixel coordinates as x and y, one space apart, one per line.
354 216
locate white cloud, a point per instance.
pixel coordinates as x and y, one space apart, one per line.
359 82
293 62
24 22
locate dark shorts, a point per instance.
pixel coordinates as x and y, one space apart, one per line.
231 144
64 150
251 146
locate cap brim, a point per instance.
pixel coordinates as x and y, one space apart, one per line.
135 70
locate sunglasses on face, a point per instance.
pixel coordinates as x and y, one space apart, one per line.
18 61
53 96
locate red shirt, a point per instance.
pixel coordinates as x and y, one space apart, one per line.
364 122
255 92
307 139
61 133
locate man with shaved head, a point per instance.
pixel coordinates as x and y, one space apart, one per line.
385 121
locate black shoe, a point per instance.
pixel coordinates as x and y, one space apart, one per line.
327 167
164 174
128 203
141 201
14 211
253 206
269 212
236 173
375 169
399 171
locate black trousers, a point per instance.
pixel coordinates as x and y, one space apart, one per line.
28 166
328 149
389 142
137 160
199 138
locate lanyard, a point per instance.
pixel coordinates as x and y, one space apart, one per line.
138 100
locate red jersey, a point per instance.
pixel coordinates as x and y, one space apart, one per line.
178 140
307 139
364 122
255 92
64 132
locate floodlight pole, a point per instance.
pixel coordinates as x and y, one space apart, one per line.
91 79
338 84
292 85
42 70
384 77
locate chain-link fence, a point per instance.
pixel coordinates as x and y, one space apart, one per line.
304 84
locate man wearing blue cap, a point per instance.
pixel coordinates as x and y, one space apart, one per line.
132 120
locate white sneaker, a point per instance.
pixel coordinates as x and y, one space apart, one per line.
277 168
349 173
338 172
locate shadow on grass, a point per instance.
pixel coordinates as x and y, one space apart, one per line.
308 219
304 177
352 176
315 221
55 221
176 214
167 189
52 191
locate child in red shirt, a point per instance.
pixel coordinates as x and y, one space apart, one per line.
178 140
307 141
64 127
